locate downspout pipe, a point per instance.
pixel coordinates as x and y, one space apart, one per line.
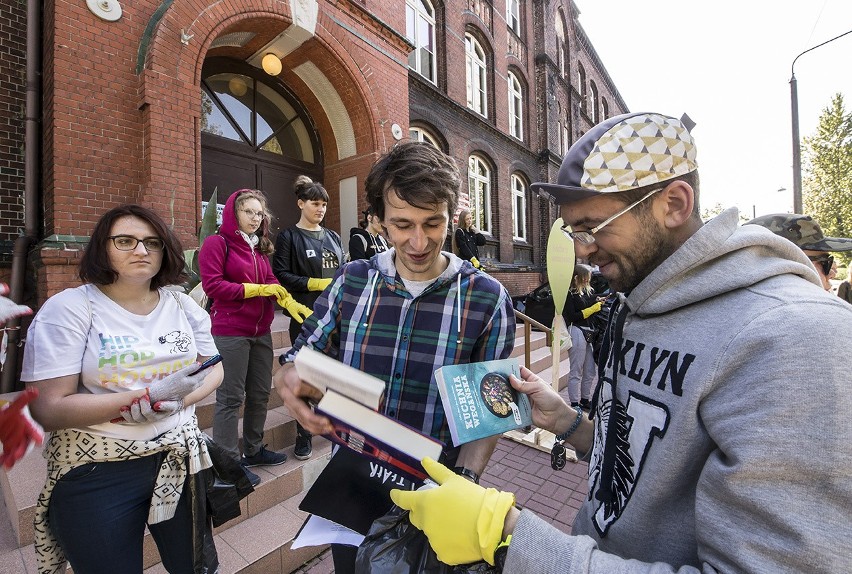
23 244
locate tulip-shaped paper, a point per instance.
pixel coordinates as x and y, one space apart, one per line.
560 271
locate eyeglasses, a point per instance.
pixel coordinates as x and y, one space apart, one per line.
588 237
128 243
252 214
825 261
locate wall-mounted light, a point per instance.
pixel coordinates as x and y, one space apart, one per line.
237 86
271 64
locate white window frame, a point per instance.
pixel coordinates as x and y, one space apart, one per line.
419 12
516 107
519 203
479 192
593 95
513 16
419 134
560 44
477 81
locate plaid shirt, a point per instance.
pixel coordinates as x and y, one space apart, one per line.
368 319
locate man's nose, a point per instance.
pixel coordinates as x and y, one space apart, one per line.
418 240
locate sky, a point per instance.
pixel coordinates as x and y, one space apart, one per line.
727 64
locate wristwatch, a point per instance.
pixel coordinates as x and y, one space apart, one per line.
467 473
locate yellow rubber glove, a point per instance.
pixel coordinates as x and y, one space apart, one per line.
591 310
270 290
476 262
315 284
297 311
463 521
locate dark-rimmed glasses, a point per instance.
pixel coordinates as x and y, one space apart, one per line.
129 243
825 261
588 237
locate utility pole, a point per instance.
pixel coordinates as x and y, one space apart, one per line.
797 151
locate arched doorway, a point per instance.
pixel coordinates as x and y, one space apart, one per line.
254 134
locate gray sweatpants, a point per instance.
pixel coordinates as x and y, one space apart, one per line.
247 362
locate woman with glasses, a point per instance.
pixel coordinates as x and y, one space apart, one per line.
237 276
307 255
113 362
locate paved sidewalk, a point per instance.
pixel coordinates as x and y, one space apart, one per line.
554 495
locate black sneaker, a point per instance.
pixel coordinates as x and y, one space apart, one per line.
303 449
264 457
586 404
253 478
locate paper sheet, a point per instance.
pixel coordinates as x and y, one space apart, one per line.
317 531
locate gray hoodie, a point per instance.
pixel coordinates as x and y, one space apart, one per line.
728 447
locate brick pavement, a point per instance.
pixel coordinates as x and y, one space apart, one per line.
554 495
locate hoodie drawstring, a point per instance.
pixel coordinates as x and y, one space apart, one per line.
458 309
373 282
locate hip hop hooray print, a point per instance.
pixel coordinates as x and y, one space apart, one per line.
127 361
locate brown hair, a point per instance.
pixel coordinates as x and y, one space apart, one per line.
581 281
95 266
307 189
265 245
419 173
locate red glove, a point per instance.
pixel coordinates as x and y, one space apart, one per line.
18 431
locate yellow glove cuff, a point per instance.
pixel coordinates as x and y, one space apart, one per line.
492 516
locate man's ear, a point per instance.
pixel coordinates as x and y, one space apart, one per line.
678 200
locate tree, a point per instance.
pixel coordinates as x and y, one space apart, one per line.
827 182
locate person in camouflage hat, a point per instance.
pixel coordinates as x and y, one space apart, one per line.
805 232
703 455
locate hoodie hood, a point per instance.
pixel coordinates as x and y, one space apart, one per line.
230 228
720 257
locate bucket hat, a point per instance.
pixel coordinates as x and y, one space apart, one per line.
802 230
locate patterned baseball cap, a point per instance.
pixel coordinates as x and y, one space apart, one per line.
802 230
622 153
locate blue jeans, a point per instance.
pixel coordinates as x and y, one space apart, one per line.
98 513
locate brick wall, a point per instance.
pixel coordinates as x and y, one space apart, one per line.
13 31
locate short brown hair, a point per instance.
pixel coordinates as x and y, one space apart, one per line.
95 266
419 173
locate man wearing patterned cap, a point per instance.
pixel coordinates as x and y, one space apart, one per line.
806 233
703 457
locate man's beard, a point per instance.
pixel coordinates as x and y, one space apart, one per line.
652 246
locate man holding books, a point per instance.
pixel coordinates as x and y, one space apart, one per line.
703 455
407 311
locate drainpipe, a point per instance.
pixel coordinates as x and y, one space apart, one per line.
31 169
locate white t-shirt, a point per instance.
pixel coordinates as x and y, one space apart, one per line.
115 350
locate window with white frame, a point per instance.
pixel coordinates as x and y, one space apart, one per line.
593 95
477 84
519 207
581 85
419 134
513 16
516 107
560 44
420 30
604 108
479 188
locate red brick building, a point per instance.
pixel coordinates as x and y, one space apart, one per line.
160 102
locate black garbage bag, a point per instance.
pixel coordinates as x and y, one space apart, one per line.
395 546
227 485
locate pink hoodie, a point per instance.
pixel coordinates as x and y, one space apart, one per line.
226 262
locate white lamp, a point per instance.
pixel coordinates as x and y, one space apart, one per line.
271 64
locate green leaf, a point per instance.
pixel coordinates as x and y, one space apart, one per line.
208 221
